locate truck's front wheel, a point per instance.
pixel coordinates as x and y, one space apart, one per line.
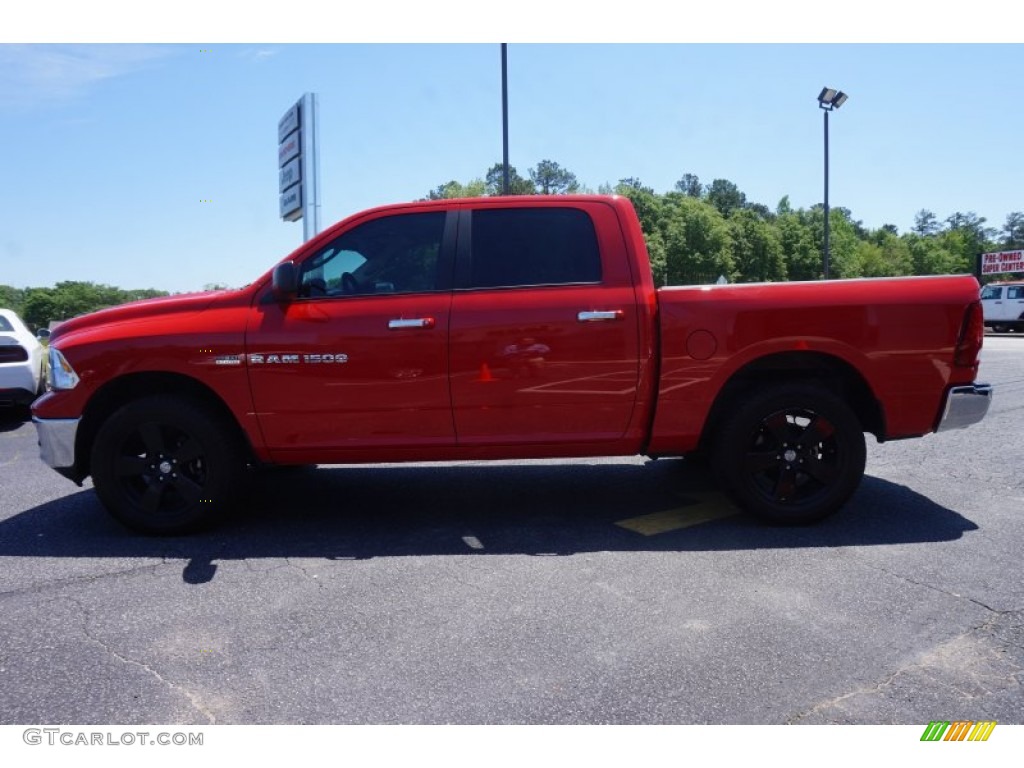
166 465
790 454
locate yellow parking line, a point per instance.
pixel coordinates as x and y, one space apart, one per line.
710 507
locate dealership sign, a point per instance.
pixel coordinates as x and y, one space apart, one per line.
297 163
1002 262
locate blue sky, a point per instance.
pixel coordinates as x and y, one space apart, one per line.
111 148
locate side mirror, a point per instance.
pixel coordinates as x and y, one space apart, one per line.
285 281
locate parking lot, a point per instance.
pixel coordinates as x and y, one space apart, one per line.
596 591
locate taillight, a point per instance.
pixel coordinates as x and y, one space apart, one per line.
13 354
972 334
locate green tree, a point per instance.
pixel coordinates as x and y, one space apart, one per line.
454 189
929 255
494 180
631 183
689 185
71 298
698 244
12 298
802 258
725 196
842 240
966 237
40 308
885 255
925 223
549 178
1013 231
756 247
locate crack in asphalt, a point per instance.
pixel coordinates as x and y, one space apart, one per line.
196 703
940 590
75 580
312 577
932 660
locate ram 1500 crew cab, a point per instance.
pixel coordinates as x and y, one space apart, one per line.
503 328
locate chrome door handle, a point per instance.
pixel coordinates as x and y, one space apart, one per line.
418 322
597 316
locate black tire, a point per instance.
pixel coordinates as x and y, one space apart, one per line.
166 465
792 454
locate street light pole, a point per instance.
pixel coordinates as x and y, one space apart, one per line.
828 99
505 183
826 256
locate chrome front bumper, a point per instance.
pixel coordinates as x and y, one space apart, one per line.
965 406
57 442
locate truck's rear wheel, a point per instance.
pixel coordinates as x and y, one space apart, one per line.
790 454
166 465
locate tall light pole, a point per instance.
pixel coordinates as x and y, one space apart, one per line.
828 99
505 181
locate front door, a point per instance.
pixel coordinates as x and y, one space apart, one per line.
359 360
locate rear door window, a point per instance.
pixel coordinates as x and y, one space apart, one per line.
514 247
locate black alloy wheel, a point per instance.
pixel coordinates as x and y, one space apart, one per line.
166 465
792 454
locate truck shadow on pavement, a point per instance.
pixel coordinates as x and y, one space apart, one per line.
12 417
356 513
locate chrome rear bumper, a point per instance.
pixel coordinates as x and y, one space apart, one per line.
965 405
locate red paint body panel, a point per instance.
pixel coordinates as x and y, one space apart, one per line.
513 372
898 333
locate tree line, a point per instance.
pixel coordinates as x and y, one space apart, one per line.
697 232
67 299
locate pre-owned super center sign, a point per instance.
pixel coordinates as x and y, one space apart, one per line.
1002 262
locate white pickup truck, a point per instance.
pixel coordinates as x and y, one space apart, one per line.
1003 306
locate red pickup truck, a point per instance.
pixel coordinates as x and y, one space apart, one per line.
503 328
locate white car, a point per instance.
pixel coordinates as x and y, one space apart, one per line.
1003 306
21 362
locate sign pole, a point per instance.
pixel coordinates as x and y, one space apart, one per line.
311 166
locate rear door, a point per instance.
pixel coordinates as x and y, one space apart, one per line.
359 360
544 328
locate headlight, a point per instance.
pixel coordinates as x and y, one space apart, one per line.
60 374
